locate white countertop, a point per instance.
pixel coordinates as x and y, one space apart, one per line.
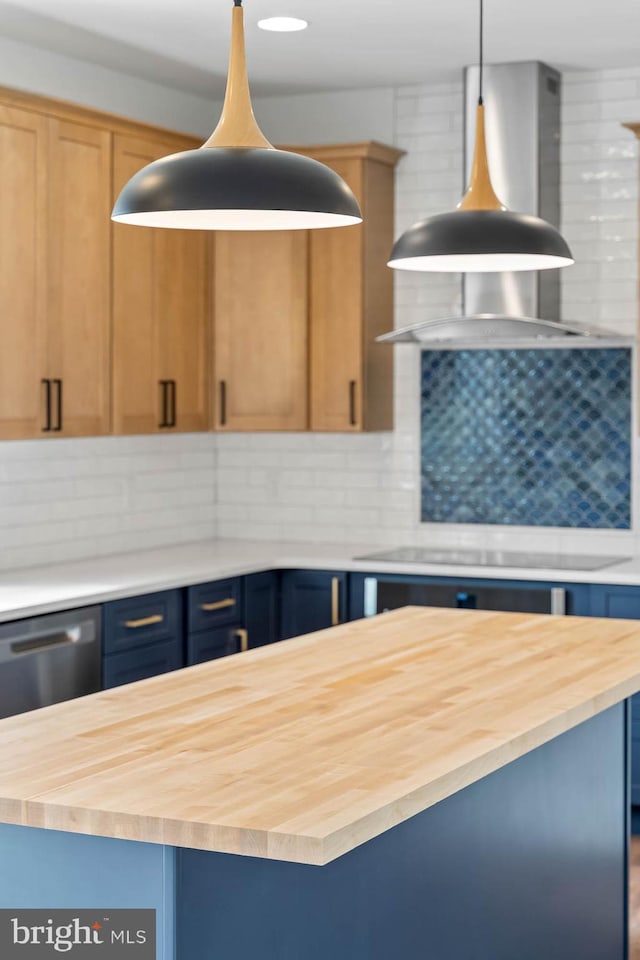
36 590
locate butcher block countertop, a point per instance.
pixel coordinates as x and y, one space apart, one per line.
303 750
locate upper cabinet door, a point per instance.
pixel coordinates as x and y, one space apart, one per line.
23 184
336 312
182 311
137 393
261 350
160 313
79 278
351 299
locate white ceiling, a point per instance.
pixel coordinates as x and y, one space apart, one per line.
350 43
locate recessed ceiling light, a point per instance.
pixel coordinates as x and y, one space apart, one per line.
283 24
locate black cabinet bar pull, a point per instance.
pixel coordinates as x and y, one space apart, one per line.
164 402
352 403
223 402
172 385
58 426
47 405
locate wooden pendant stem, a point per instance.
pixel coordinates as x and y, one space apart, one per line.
480 194
237 126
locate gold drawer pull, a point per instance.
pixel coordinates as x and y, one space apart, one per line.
218 605
144 621
243 637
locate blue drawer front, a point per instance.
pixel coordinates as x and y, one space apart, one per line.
139 664
139 621
214 604
212 644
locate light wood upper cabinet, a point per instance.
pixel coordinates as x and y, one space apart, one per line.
296 314
160 313
108 327
137 395
79 279
260 312
95 318
351 298
336 304
55 276
23 278
184 258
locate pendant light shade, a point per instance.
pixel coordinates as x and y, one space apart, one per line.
480 241
237 180
237 189
481 235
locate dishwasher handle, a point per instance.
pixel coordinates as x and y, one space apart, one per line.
47 641
56 633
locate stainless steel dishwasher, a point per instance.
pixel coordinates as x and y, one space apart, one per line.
47 659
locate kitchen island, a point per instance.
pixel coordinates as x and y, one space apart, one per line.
425 783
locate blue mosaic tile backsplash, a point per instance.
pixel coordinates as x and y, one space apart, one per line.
529 437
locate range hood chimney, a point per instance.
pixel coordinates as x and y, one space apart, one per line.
522 117
522 114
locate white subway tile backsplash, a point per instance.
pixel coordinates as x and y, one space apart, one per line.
68 499
580 111
576 91
622 111
326 461
587 132
406 107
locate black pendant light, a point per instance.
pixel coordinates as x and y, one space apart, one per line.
481 235
237 180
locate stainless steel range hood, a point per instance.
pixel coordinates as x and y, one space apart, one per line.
499 330
522 110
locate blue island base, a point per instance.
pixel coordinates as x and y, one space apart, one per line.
528 863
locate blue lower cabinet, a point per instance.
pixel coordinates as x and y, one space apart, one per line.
312 600
616 602
262 608
213 644
227 616
142 637
141 663
138 621
214 604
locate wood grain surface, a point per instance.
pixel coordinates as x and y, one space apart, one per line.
303 750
